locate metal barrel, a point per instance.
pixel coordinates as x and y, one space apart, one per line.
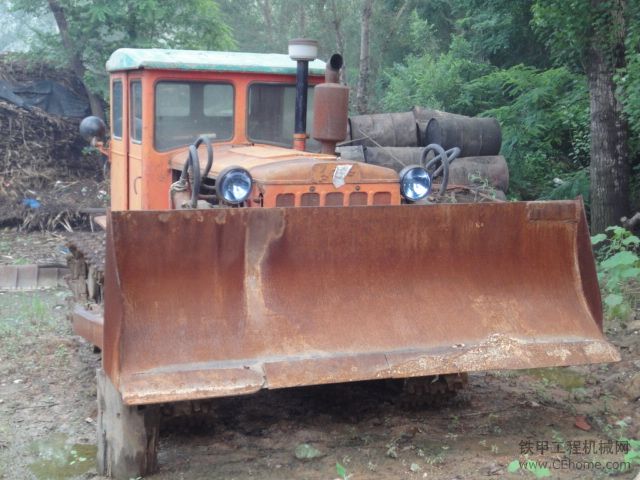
463 171
492 170
423 116
384 129
220 302
393 157
474 136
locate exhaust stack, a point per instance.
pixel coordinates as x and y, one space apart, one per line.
331 109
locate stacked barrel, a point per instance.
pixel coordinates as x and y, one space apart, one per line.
395 140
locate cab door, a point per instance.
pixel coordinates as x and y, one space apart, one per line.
135 143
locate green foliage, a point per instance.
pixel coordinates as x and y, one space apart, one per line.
628 79
433 81
545 122
618 270
500 31
544 114
632 457
342 472
572 27
570 186
98 27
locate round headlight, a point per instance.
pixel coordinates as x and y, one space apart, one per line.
234 185
415 183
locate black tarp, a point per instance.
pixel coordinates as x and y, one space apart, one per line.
47 95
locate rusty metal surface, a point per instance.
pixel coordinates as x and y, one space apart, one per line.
330 115
88 324
86 278
101 221
228 301
384 129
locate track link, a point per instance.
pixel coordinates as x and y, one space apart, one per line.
86 262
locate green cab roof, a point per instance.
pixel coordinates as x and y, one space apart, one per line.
202 60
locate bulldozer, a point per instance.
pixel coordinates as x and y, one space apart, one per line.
243 255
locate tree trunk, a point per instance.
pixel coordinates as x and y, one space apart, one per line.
363 78
394 26
74 56
268 18
337 26
609 168
302 21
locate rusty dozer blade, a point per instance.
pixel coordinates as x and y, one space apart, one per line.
208 303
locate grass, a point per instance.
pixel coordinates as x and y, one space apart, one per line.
25 316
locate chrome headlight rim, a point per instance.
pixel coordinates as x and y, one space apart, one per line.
409 170
227 175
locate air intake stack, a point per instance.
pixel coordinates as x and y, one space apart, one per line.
303 51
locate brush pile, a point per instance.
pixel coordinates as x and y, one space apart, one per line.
38 152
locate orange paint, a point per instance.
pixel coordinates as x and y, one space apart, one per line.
141 175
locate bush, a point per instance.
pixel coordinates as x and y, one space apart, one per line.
435 81
618 270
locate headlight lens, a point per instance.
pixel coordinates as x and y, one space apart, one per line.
234 185
415 183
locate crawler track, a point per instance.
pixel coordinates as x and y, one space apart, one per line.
432 391
86 262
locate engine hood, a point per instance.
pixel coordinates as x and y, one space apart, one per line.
275 165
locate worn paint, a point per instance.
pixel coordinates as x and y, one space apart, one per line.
201 60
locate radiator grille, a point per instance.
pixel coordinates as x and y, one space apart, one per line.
334 199
382 198
285 200
310 200
358 198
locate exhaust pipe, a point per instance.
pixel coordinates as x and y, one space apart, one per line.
332 71
303 51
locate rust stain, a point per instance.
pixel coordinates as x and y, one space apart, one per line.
226 301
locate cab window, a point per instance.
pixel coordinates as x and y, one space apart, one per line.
116 108
271 115
136 111
186 110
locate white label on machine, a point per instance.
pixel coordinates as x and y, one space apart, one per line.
339 174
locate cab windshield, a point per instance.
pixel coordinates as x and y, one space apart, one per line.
186 110
271 115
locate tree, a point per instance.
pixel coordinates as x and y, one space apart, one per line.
364 64
500 32
90 30
590 35
74 56
17 29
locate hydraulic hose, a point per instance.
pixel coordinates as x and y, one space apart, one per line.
207 141
193 164
444 157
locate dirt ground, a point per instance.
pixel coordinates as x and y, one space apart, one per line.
568 417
